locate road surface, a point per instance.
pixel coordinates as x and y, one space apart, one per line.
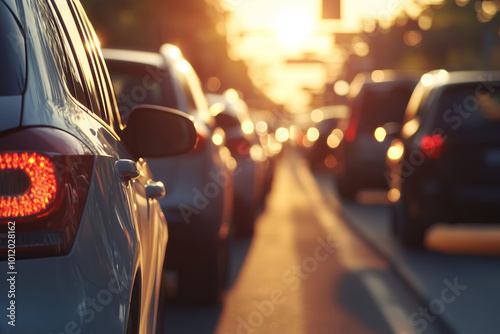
311 268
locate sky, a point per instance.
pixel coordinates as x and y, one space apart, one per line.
267 34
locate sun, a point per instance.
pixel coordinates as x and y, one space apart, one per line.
293 27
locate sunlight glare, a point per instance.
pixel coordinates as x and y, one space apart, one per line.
293 27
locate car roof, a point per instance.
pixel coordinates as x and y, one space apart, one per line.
438 78
391 75
134 56
382 78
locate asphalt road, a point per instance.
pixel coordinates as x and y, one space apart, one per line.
463 260
311 268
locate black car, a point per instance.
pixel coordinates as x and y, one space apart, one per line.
444 166
376 102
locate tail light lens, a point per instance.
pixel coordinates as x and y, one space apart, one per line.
239 146
200 143
28 184
352 128
432 146
44 181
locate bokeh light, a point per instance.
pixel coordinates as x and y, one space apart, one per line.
394 195
341 88
395 152
261 127
317 115
312 134
378 76
213 84
282 135
247 127
412 38
380 134
425 22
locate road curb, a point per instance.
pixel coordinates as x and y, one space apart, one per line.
398 267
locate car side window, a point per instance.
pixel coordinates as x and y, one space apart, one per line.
12 56
195 96
191 105
63 58
81 54
107 95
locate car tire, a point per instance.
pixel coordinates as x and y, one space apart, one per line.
410 231
204 285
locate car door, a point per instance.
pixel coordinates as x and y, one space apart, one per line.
143 190
147 228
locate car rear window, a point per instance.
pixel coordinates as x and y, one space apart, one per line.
12 54
382 103
470 108
140 84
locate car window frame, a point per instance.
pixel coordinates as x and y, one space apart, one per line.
105 102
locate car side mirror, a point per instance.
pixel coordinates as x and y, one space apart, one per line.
154 131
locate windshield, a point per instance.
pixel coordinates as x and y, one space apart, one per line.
382 103
12 55
468 109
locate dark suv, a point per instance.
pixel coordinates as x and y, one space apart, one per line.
376 103
444 166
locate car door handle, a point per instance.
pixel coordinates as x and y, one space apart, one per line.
127 169
155 190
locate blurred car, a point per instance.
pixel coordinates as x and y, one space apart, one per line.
377 102
198 205
266 124
81 232
443 167
322 152
232 115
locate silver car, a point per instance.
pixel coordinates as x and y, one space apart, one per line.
232 115
199 203
82 236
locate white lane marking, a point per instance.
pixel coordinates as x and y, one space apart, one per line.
388 305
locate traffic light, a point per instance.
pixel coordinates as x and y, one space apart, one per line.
331 9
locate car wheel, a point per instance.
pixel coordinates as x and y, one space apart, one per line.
410 231
205 284
346 188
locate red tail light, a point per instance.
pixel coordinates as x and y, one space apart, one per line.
239 146
352 128
200 143
34 170
44 181
432 146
